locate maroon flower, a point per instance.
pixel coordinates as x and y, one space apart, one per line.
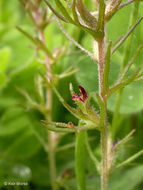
83 95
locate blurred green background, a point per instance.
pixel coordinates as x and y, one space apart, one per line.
22 156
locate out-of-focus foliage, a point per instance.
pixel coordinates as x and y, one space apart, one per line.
22 156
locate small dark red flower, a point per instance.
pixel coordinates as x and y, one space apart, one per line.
83 95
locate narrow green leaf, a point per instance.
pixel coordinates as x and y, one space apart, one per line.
107 68
102 110
64 11
126 35
57 129
75 13
55 123
44 48
60 127
132 158
124 140
77 22
132 77
113 89
100 24
121 85
129 45
36 41
129 64
55 12
26 34
89 19
67 74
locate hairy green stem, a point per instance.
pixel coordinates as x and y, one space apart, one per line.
104 148
104 169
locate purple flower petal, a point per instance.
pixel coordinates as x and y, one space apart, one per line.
82 97
83 93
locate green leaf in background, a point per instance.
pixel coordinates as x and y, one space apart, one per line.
22 77
3 79
55 42
13 121
128 180
132 99
23 147
39 131
4 58
6 102
40 169
87 75
11 15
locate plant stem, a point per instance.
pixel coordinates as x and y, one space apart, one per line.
101 65
50 135
104 169
51 143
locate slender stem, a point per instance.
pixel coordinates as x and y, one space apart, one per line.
101 65
51 143
50 135
73 41
104 169
125 4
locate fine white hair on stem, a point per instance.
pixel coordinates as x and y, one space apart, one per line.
73 41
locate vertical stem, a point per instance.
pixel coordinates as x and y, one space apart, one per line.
36 17
101 65
50 135
51 143
104 172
